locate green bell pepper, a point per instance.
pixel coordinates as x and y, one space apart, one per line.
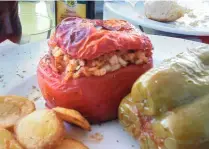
175 82
168 107
186 127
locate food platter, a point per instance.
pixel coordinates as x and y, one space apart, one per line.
194 23
18 77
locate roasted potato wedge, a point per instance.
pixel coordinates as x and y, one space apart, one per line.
41 129
71 144
7 140
72 116
12 108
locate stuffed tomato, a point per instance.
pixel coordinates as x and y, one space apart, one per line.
92 65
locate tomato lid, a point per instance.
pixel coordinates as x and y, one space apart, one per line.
88 39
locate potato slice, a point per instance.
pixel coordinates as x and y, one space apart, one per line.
40 130
7 140
12 108
72 116
71 144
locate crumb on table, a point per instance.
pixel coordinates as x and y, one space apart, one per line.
96 137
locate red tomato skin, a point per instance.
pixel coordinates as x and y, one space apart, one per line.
97 98
80 38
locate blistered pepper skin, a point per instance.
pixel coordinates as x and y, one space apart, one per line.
186 126
175 82
128 115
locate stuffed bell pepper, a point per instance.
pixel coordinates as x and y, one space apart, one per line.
168 106
92 65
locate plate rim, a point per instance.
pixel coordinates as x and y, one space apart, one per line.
157 25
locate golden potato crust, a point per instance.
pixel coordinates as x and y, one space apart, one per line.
42 129
72 116
12 108
7 140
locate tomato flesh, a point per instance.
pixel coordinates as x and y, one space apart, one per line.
97 98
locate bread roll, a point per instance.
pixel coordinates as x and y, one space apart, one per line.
163 11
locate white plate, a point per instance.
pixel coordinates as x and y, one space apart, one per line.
185 25
18 76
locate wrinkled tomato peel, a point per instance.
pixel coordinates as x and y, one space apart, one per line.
80 38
